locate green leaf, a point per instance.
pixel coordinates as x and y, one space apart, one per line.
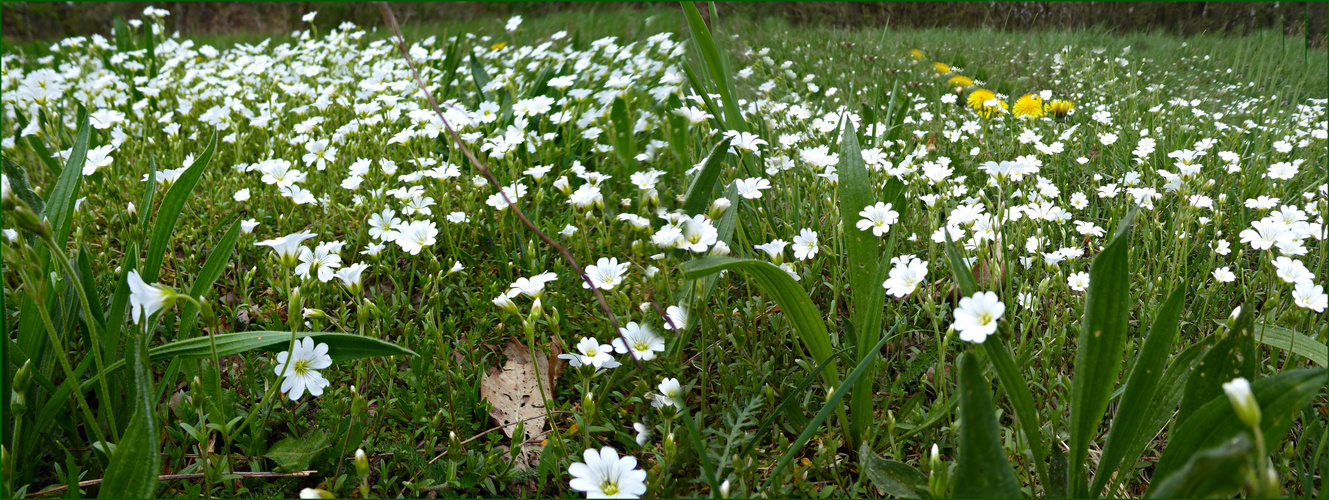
133 469
678 128
1217 472
1232 357
1099 349
710 54
1164 403
864 253
1140 386
1288 340
294 453
832 403
212 269
1280 397
479 76
341 347
793 301
625 147
1022 400
60 203
149 191
981 470
892 478
169 212
699 191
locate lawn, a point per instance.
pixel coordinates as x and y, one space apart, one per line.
661 260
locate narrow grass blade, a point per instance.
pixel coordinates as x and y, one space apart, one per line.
700 448
479 76
1296 343
964 277
710 54
1233 356
60 203
1099 349
1280 397
699 191
793 301
981 470
832 403
212 269
624 145
38 147
149 191
169 212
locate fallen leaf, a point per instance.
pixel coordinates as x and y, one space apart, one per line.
514 393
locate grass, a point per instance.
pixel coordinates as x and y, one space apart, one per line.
421 419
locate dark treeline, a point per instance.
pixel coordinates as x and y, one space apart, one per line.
24 21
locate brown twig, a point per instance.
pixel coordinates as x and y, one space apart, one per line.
489 176
179 477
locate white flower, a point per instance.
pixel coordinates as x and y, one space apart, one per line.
351 276
287 246
1078 281
774 249
751 188
299 369
977 316
605 475
533 286
1292 271
878 218
641 342
144 299
1224 275
675 316
323 260
242 195
605 274
905 277
591 353
671 394
1310 296
1243 400
805 244
417 235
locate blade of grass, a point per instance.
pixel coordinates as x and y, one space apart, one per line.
981 469
169 212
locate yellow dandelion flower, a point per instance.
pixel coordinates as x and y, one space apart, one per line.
942 68
980 96
1028 105
498 46
959 81
918 54
1060 107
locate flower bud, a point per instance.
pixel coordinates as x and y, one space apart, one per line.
934 458
537 310
724 489
1243 401
361 463
505 303
588 405
314 313
670 446
28 221
315 493
718 208
358 403
205 308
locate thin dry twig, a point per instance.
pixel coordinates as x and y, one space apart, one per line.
179 477
489 176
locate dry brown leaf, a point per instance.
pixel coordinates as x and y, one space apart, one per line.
514 394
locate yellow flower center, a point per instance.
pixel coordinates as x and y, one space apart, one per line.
609 488
300 367
984 318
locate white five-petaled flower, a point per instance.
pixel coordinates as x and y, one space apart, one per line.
323 261
415 236
1078 281
144 299
878 218
643 433
905 277
641 342
592 353
1311 296
299 368
1224 275
805 244
352 276
671 394
751 188
605 274
606 475
977 316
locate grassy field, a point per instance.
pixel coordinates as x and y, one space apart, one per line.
845 263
